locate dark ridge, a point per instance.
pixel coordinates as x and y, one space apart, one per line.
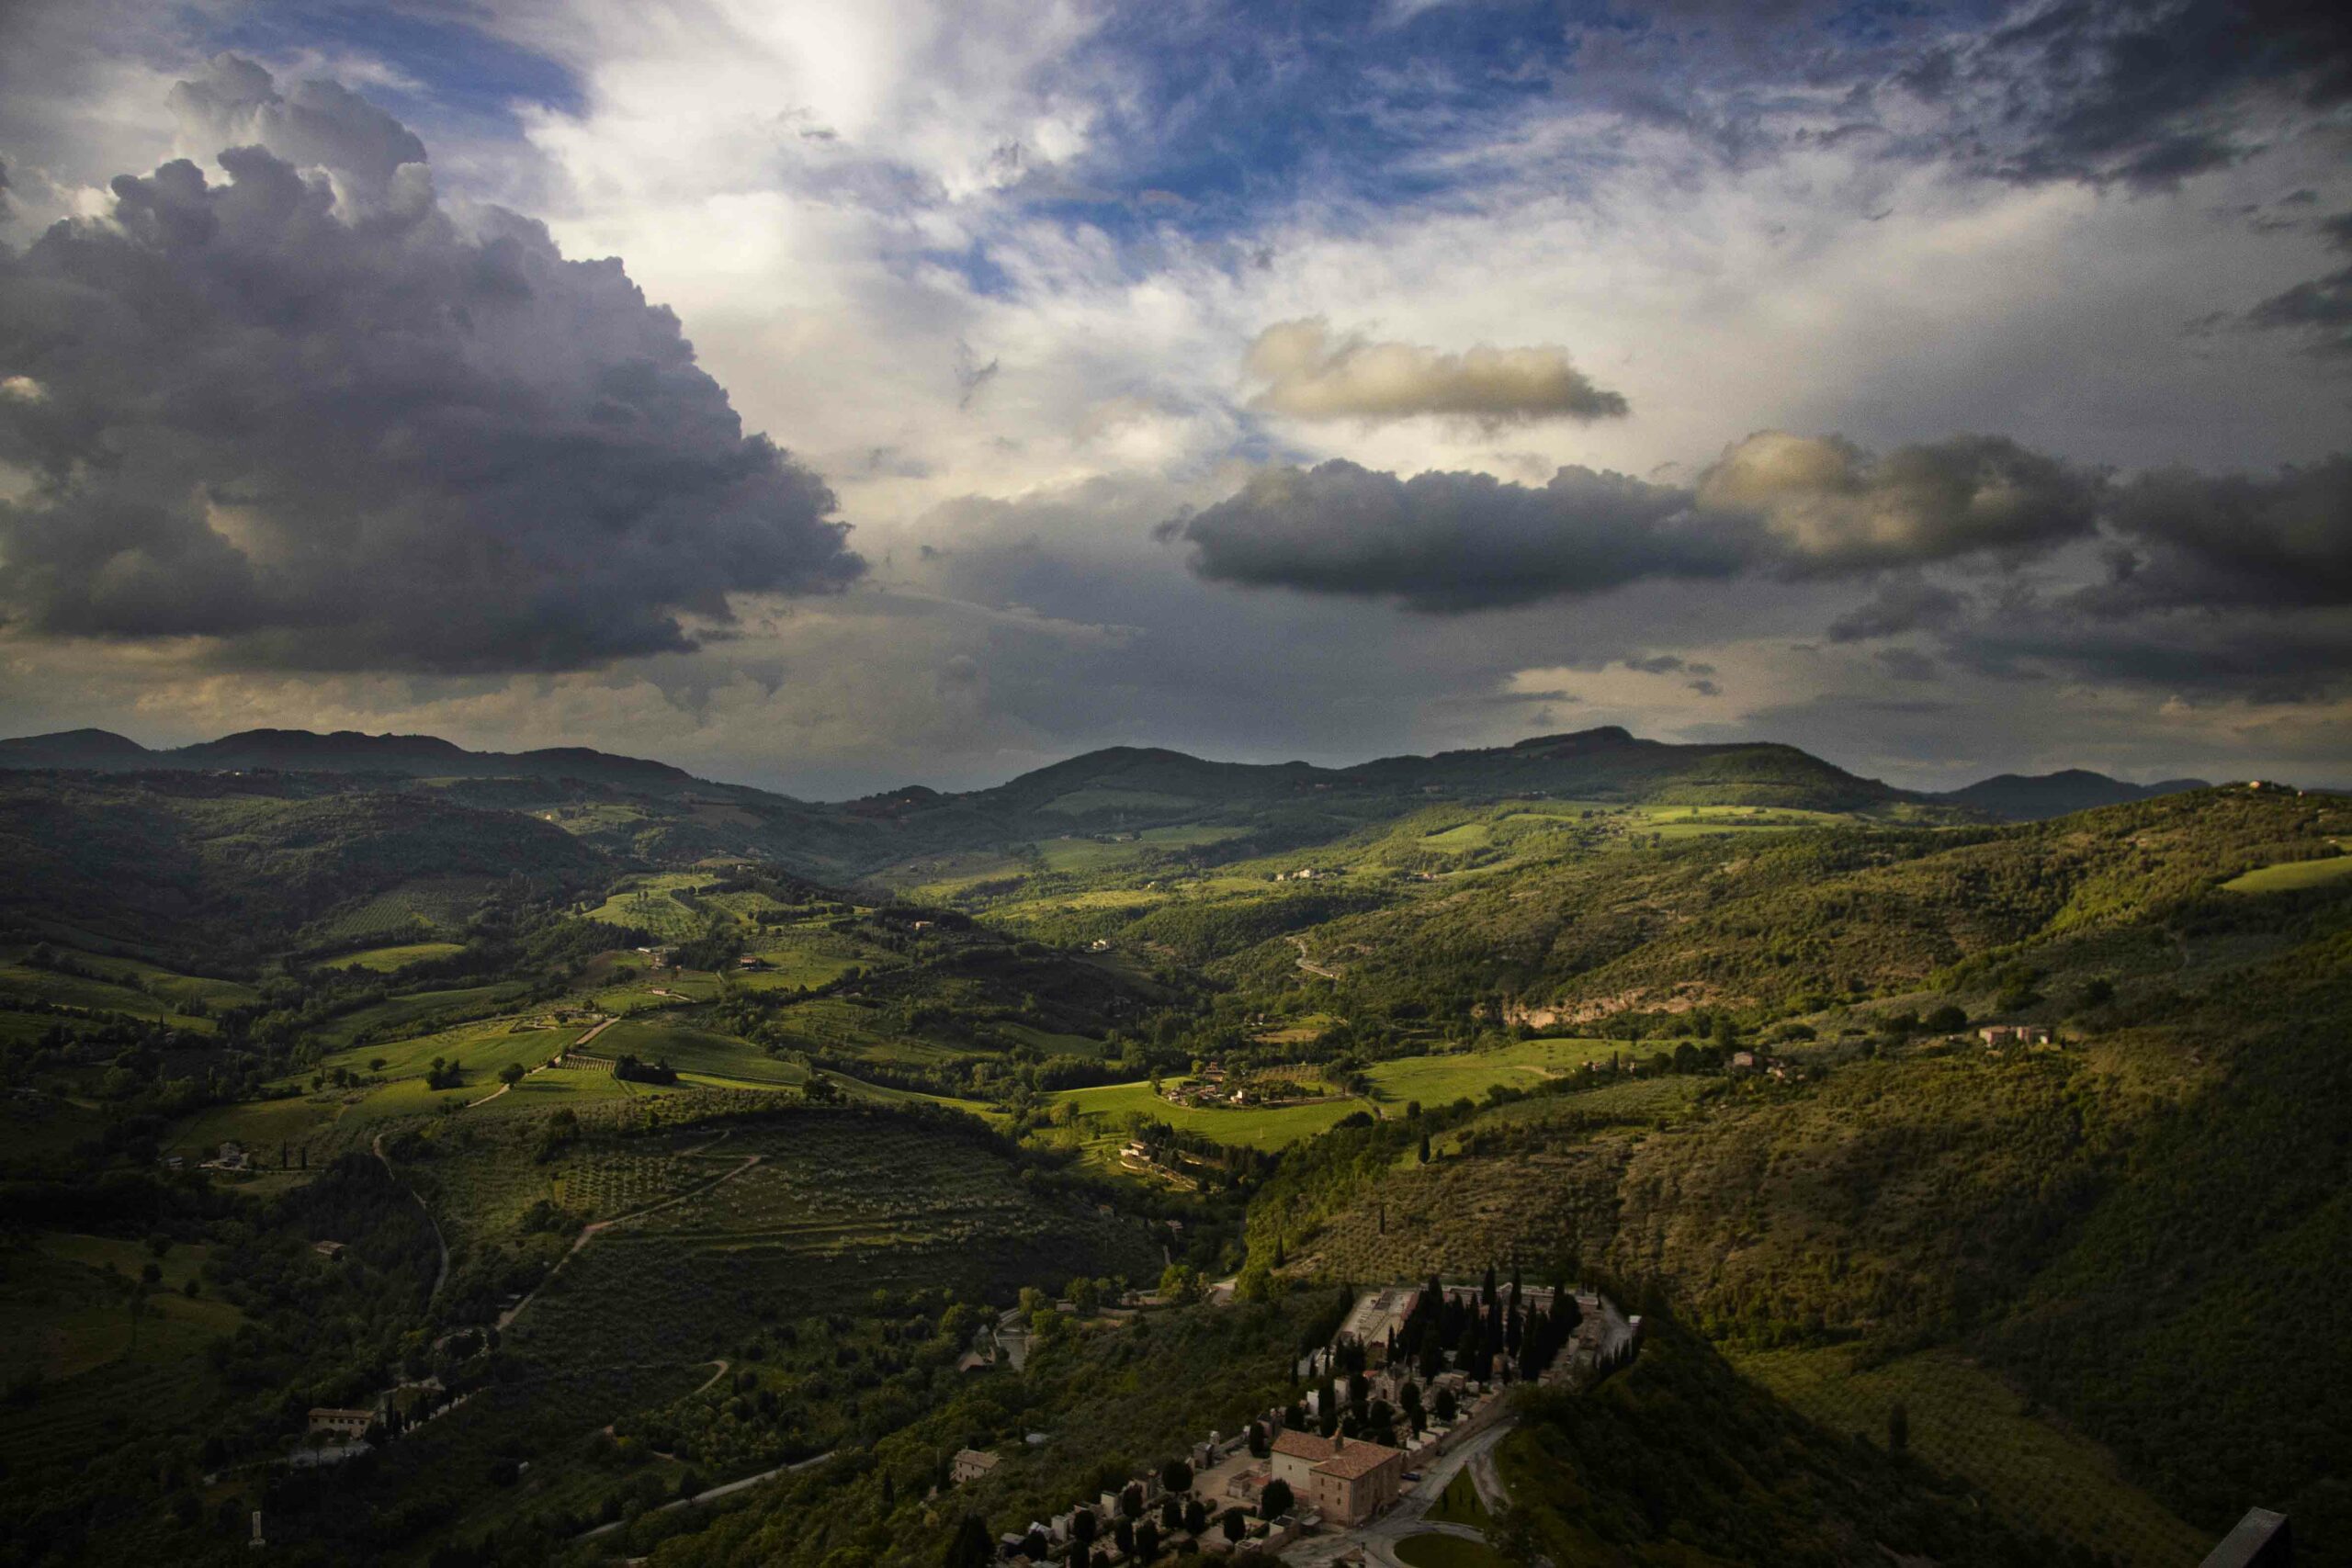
2022 798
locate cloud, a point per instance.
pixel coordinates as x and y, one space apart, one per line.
1833 507
1310 373
315 417
2140 93
1668 664
322 125
2205 540
2321 307
1786 505
1905 664
1451 542
1900 605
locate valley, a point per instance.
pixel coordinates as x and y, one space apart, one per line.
602 1137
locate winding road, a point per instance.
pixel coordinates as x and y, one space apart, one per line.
1378 1537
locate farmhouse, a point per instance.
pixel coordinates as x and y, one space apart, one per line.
2015 1035
340 1426
330 1250
971 1465
1349 1482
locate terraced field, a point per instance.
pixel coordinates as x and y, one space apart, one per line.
482 1178
837 1206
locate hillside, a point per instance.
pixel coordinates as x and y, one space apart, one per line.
2124 1229
738 1162
227 868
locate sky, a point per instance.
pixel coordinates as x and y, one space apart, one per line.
838 396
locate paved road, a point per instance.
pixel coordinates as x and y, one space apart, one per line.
714 1493
1309 965
1409 1517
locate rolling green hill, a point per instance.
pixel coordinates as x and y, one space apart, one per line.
771 1148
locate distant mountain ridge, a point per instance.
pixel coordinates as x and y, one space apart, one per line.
2031 797
340 751
1115 788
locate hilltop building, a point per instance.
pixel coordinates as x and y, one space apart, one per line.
1343 1481
340 1426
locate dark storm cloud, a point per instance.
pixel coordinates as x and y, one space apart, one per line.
2216 586
2265 656
1779 505
1900 605
2205 540
311 413
2144 93
2322 308
1451 542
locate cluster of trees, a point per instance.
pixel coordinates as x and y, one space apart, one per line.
1500 1328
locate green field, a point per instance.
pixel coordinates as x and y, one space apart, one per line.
648 903
165 983
1441 1080
92 995
1434 1551
1464 836
1104 1112
704 1053
395 1015
1973 1425
2290 876
384 960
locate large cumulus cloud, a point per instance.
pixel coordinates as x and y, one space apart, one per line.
1450 542
1311 372
314 415
1787 505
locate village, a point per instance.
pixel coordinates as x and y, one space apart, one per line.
1417 1381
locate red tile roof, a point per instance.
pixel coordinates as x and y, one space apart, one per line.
1303 1445
1357 1460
